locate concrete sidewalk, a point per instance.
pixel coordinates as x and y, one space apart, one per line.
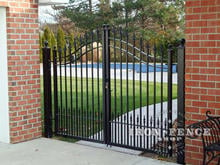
54 152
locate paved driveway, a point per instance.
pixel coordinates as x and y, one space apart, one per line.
53 152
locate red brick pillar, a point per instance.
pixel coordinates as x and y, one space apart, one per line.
23 69
202 67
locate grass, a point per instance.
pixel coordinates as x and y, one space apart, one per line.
83 98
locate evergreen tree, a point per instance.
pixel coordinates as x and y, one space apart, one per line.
60 38
71 39
158 20
53 40
41 42
81 14
47 35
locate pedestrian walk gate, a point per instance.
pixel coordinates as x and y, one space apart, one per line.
113 87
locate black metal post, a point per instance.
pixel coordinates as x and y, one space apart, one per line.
47 91
181 102
169 105
55 89
106 84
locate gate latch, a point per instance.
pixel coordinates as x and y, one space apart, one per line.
106 85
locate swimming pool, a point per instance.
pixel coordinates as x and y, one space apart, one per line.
137 67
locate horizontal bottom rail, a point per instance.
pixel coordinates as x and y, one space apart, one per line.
80 138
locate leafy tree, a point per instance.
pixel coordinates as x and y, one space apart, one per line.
155 20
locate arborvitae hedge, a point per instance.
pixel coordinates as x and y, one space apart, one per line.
48 36
60 38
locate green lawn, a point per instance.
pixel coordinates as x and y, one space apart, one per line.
117 90
85 99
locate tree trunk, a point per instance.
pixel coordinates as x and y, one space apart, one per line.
90 6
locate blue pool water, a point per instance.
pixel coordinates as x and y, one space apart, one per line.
138 67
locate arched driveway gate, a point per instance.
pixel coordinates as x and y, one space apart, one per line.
115 88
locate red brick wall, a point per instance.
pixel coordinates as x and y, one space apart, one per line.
202 67
23 69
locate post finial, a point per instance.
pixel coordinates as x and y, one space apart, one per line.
183 41
45 44
105 26
170 46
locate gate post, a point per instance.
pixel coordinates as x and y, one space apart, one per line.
47 91
106 84
181 101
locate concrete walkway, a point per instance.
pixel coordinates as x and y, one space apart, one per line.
53 152
119 126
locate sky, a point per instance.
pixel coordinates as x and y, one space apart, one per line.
44 17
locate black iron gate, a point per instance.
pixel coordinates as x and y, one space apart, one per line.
114 88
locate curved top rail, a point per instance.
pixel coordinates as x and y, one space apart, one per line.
79 56
136 48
